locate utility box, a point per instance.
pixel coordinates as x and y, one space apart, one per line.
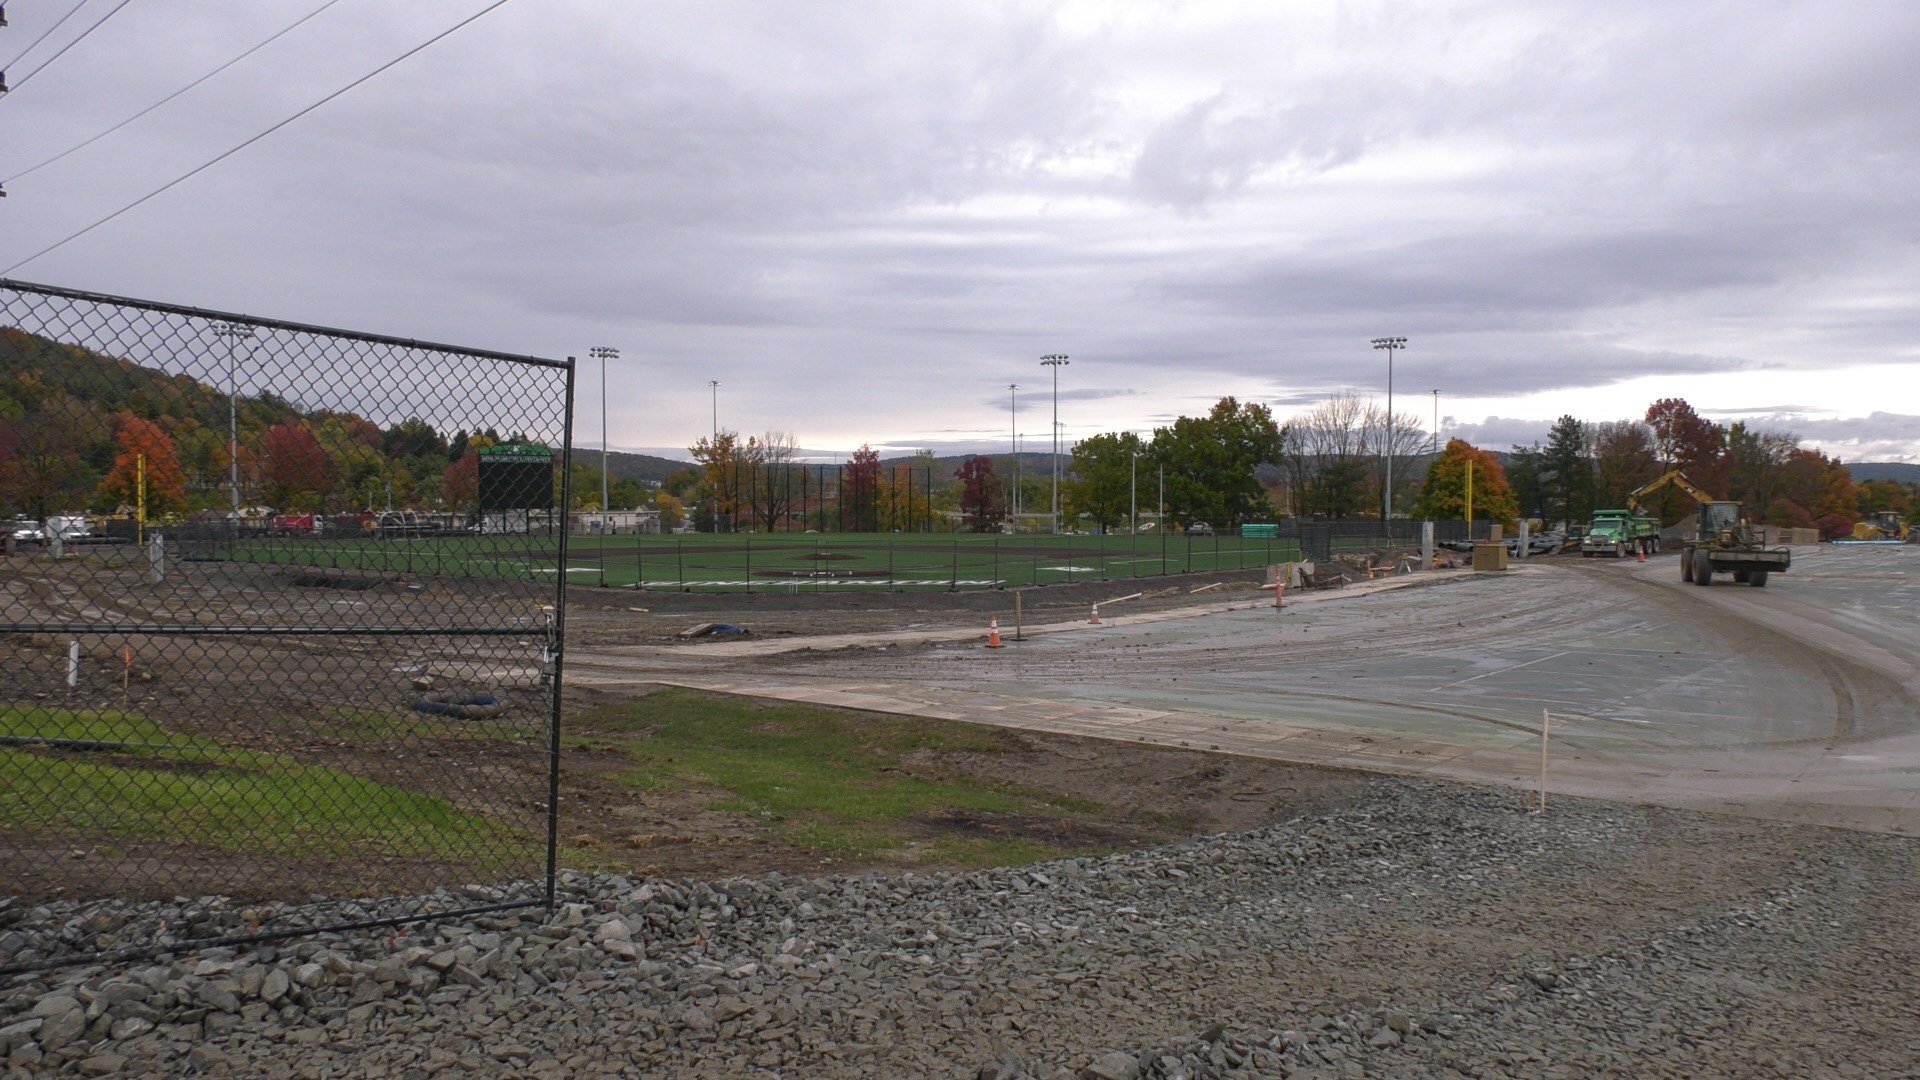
1490 555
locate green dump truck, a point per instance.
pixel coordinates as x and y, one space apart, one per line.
1620 533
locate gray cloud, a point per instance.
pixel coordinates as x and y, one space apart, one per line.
866 220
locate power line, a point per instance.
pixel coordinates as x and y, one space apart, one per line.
198 169
63 49
43 36
89 142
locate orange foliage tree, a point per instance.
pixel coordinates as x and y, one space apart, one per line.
166 480
1444 498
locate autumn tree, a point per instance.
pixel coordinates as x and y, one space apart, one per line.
460 482
672 510
43 463
719 457
860 491
297 472
981 501
1623 461
1444 498
145 448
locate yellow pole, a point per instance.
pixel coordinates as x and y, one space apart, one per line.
140 500
1469 498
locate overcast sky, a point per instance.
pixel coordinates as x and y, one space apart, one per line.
866 220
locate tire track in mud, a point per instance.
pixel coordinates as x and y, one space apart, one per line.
1848 680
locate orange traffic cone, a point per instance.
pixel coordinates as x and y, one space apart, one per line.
1643 553
1095 621
1279 591
993 632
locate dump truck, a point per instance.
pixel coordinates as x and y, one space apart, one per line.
1724 543
1620 533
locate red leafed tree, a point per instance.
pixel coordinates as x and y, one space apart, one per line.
979 494
863 489
1687 441
166 480
460 483
298 476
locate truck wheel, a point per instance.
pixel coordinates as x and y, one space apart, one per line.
1686 566
1757 579
1702 569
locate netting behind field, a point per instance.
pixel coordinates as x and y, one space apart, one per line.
282 617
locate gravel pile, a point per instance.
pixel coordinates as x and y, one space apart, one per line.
1434 931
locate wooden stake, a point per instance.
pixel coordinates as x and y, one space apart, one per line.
1545 724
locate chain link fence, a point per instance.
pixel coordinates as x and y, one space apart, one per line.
281 639
909 562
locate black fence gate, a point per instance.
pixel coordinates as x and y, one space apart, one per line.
279 641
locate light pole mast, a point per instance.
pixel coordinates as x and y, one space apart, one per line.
1056 361
1391 345
233 332
1013 427
604 353
1436 421
713 446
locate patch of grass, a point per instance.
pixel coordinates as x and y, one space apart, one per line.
830 780
161 785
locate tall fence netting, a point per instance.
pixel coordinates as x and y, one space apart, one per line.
278 631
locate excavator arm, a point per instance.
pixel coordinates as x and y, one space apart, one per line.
1675 478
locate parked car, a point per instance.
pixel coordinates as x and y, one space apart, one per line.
1199 528
25 531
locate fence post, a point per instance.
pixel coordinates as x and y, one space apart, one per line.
996 562
889 563
639 560
156 558
680 564
1426 545
953 585
749 564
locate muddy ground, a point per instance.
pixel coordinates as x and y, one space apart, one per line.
345 701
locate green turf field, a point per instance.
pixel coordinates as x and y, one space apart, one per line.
788 561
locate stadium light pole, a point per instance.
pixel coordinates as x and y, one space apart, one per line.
1391 345
1436 422
1056 361
1013 425
713 443
604 353
233 332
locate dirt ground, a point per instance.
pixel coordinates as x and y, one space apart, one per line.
1151 795
344 702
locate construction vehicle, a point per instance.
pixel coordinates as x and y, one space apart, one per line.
1724 543
1620 533
1884 525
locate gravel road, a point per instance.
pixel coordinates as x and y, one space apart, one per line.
1431 930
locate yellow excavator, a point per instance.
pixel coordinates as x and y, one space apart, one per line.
1883 525
1724 543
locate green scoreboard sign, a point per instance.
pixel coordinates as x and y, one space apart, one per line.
516 476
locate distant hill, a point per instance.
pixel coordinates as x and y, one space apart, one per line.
621 465
1898 471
